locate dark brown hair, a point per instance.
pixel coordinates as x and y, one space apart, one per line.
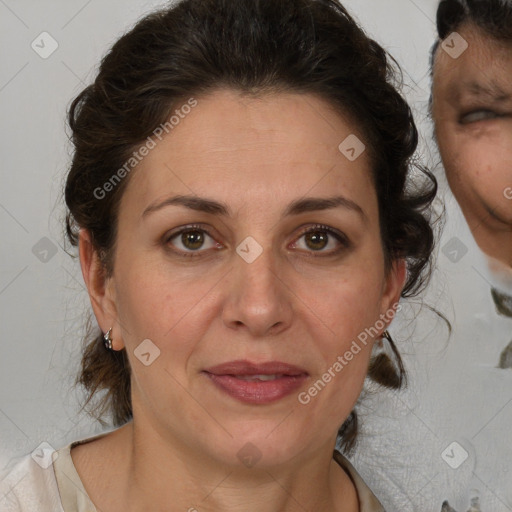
494 17
253 46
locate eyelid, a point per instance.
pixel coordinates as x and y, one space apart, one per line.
332 232
183 229
493 114
338 235
188 227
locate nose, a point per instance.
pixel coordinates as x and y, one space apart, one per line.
258 298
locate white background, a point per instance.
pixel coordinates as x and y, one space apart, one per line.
455 394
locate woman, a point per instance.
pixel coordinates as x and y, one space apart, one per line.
471 105
240 196
471 108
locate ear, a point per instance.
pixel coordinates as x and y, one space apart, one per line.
393 286
100 288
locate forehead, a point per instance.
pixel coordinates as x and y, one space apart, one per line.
230 145
483 70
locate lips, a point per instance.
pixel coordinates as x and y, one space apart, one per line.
257 383
246 368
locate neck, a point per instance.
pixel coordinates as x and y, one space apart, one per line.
152 463
498 245
494 237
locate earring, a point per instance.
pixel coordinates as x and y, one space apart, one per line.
387 336
386 365
394 351
107 340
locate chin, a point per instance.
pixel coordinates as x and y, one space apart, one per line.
500 212
261 448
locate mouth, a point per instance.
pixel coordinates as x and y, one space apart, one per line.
259 383
261 377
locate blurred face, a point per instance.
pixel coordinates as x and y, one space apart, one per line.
472 110
249 255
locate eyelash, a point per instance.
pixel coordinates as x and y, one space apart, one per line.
340 237
494 114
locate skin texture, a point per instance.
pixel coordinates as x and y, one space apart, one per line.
294 303
472 111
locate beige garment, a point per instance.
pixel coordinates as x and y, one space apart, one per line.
59 485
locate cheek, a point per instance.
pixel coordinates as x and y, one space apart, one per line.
358 304
451 150
153 303
351 306
481 167
178 307
345 356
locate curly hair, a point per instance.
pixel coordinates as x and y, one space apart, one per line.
255 47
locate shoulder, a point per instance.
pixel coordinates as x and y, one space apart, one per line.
45 480
368 501
30 484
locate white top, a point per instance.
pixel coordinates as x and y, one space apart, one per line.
47 481
448 435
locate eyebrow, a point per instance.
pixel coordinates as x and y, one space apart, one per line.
297 207
490 90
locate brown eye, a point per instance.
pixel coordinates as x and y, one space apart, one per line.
320 237
316 240
191 241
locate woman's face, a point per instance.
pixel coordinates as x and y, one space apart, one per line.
472 110
227 274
